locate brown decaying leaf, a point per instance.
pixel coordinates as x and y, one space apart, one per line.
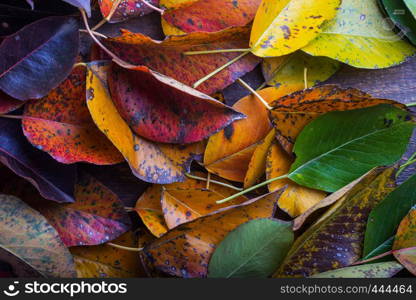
166 57
293 112
406 238
185 251
336 239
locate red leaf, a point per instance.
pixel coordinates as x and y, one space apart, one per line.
167 56
61 125
163 110
8 104
126 9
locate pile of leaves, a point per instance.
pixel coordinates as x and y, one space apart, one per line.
128 150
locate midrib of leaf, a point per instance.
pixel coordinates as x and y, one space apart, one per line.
371 253
345 35
185 205
343 145
251 256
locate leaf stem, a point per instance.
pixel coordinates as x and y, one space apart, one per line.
254 92
215 51
360 262
263 85
94 32
161 11
115 58
11 117
79 64
129 209
205 78
125 248
405 165
109 16
208 180
410 104
305 77
252 188
213 181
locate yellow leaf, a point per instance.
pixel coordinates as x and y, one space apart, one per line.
283 26
296 199
359 36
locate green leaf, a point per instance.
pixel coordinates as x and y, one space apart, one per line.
382 248
358 36
288 70
254 249
340 146
402 17
30 244
376 270
385 218
335 240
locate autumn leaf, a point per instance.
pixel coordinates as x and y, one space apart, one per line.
53 180
167 162
335 240
291 113
284 26
8 104
358 27
106 261
406 238
38 57
61 125
375 270
175 114
209 15
166 57
185 251
30 244
125 9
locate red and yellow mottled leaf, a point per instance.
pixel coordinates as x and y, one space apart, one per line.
406 238
126 9
167 56
175 114
210 15
293 112
151 162
105 261
336 239
296 199
60 124
229 151
185 251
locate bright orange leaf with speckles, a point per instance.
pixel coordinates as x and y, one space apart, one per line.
185 251
61 125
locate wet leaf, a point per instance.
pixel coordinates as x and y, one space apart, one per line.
385 217
61 125
404 20
209 15
175 114
229 152
126 9
53 180
375 270
296 199
8 104
335 240
37 58
151 162
185 251
105 261
340 146
167 57
358 27
293 112
284 26
406 238
97 215
253 249
30 244
290 69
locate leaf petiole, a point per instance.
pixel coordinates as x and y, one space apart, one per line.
252 188
213 181
254 92
125 248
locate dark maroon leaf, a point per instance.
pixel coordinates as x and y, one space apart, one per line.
8 104
54 181
38 57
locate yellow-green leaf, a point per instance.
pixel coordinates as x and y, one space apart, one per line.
359 37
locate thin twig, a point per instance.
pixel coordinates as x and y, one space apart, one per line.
11 117
251 189
205 78
125 248
214 51
161 11
305 77
405 165
79 64
254 92
208 180
94 32
109 16
214 181
411 104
